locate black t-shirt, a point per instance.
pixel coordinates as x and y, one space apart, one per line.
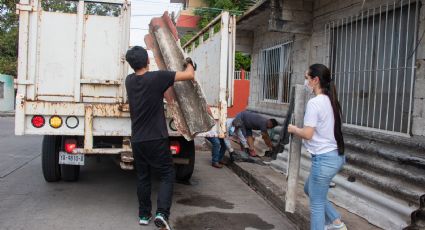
146 98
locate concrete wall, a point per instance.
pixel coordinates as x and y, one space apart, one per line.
383 164
262 39
313 49
7 93
418 126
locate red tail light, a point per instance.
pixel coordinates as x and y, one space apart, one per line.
175 147
70 144
38 121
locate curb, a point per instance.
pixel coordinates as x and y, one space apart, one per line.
271 193
7 114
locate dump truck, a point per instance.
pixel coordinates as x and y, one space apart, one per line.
70 85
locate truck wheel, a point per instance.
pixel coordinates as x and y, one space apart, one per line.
50 158
70 172
184 172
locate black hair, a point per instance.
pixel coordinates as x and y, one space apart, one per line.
237 122
328 88
137 57
274 122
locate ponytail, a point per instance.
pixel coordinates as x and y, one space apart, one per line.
328 88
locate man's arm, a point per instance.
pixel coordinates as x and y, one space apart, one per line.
267 139
187 74
242 138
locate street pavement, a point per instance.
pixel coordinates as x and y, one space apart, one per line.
105 195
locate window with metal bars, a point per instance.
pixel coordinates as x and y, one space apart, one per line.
372 58
275 73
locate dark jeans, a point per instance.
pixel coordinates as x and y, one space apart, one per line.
154 155
218 148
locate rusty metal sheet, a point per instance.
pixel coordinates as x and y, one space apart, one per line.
185 100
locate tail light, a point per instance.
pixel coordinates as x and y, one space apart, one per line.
70 144
55 122
72 122
38 121
175 147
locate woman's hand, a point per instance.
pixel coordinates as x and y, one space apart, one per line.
292 128
305 133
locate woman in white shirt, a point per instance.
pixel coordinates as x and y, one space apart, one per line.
323 139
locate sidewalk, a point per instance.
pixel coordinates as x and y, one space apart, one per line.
272 186
7 113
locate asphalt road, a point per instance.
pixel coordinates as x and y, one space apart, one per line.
105 195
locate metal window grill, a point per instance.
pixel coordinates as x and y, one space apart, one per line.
372 59
275 71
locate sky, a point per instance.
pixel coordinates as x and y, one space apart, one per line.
142 11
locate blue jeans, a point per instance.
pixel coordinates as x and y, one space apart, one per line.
323 168
218 148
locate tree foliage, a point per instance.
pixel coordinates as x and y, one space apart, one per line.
242 61
9 25
8 37
216 6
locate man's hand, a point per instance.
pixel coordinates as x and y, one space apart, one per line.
188 61
273 151
188 73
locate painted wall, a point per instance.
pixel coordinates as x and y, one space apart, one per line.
7 93
240 99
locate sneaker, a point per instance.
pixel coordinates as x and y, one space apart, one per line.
342 226
161 221
144 220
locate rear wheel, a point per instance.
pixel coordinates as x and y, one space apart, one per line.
184 171
50 158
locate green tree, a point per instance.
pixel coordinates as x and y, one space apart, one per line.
215 7
9 25
8 37
242 61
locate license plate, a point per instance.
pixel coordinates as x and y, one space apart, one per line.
71 159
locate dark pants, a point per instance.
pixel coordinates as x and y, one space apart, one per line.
154 155
218 148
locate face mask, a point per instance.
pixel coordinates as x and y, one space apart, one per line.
307 87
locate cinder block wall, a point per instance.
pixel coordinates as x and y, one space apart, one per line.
293 10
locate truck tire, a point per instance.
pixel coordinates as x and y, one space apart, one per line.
50 158
70 173
184 171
